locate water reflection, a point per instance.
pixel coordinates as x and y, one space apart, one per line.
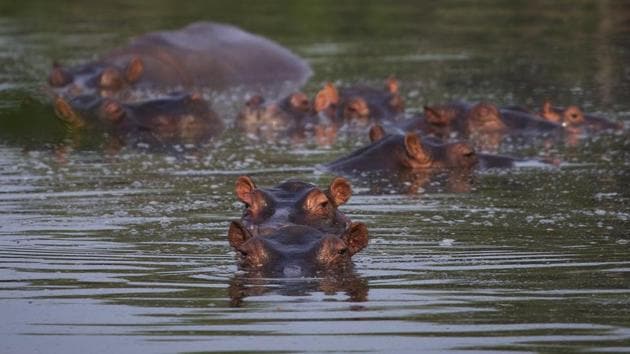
251 284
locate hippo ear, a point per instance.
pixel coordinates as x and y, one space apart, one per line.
58 76
238 234
391 84
431 114
376 132
339 190
547 106
110 78
64 111
244 188
321 101
413 145
331 92
134 69
355 237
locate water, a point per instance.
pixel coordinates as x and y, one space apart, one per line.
129 253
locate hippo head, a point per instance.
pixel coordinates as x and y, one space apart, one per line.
406 150
106 78
439 116
356 111
461 155
484 118
179 117
296 250
260 119
293 202
420 155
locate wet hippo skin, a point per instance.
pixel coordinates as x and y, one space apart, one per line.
296 250
203 54
293 203
179 117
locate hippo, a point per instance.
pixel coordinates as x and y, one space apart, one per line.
293 203
361 105
397 152
287 117
573 118
296 250
177 118
200 55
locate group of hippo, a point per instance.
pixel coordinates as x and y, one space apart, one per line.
294 228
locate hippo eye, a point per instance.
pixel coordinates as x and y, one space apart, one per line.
343 251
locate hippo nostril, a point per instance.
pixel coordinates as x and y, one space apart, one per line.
343 251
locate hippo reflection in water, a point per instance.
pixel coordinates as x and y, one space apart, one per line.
297 250
330 281
293 203
178 118
203 54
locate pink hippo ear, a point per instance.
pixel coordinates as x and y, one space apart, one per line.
134 69
64 111
326 97
376 132
238 235
413 145
245 187
356 237
339 191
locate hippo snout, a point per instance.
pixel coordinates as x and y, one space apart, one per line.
292 271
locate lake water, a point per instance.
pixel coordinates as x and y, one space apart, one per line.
129 253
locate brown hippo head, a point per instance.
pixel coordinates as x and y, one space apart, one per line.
356 111
105 78
293 203
273 119
484 118
296 250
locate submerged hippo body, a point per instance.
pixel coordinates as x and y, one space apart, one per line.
296 250
201 55
293 203
178 118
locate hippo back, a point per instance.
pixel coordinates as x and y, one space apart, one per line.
207 54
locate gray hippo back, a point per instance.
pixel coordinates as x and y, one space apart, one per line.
201 55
